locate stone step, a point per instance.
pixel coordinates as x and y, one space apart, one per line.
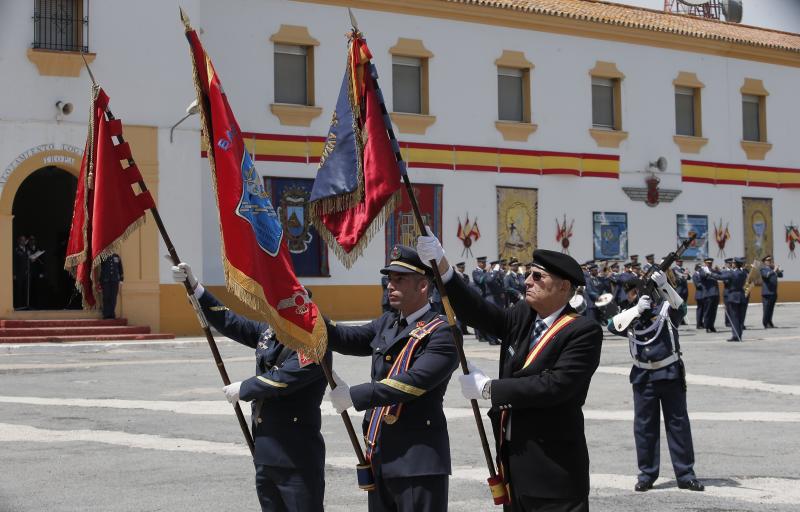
63 339
6 332
78 322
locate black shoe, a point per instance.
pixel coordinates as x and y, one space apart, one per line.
692 485
772 326
643 486
733 339
712 329
766 326
744 328
494 342
699 327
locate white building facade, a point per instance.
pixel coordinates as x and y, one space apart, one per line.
576 144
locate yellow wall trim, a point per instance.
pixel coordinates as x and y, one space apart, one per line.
295 115
608 138
689 144
412 123
603 69
410 48
513 59
515 131
293 34
56 63
686 79
754 86
581 28
755 150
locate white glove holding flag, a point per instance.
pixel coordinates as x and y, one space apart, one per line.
659 278
340 395
644 304
429 248
181 272
472 385
232 391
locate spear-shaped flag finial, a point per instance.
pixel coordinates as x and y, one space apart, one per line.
353 21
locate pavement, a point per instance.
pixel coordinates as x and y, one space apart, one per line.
143 426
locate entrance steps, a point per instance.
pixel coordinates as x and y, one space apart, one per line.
83 329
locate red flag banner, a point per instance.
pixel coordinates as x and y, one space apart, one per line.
358 180
255 256
106 210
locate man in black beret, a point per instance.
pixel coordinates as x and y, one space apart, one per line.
413 356
547 358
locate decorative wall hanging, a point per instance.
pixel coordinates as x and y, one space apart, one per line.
757 227
468 233
610 235
697 224
516 222
564 233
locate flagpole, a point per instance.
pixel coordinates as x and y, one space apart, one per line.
495 483
189 292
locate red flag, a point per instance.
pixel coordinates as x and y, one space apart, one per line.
475 232
106 210
460 233
358 180
258 267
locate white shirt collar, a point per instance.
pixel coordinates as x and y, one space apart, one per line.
550 320
416 314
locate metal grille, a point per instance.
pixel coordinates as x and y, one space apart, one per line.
60 25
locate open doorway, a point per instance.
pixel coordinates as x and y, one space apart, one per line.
42 213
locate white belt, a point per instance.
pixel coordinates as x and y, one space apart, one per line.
656 365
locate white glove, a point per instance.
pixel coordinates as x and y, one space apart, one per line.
659 278
232 391
496 268
181 272
340 395
644 304
429 248
472 385
706 270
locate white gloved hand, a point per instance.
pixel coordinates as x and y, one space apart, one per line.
429 248
659 278
644 304
706 270
340 395
232 391
496 268
472 385
181 272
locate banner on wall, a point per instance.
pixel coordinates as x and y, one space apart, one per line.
401 227
308 252
610 235
757 228
697 224
516 222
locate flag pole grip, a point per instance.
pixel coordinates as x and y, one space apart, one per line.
173 254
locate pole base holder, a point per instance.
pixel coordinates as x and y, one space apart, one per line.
366 480
499 491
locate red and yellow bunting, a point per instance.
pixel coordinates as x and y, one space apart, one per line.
450 157
738 174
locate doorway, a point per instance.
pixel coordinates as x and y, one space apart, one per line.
42 213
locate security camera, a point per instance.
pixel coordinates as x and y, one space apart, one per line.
64 108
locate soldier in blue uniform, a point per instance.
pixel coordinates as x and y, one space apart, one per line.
286 393
413 355
619 281
728 266
681 283
592 291
699 294
110 276
460 269
493 284
769 289
479 276
513 283
734 279
710 294
658 380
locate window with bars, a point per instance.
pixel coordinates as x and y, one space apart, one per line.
61 25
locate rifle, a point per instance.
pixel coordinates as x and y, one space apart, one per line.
646 285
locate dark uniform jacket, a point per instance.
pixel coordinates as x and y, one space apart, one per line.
111 269
479 281
495 291
620 280
734 280
769 280
548 455
417 444
681 281
710 286
285 393
699 288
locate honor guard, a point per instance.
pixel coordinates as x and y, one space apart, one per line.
494 284
699 295
734 279
479 276
728 266
650 260
619 281
286 393
769 289
592 291
635 259
514 283
413 355
659 382
710 295
110 277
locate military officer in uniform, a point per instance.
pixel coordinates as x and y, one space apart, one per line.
728 266
460 269
769 289
111 275
619 281
734 279
547 359
592 291
658 380
681 283
413 355
479 276
513 283
650 260
699 295
494 293
710 294
286 393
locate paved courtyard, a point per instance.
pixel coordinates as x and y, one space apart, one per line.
144 427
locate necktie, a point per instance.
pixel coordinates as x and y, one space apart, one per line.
401 324
538 330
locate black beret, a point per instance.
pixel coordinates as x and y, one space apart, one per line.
405 260
559 264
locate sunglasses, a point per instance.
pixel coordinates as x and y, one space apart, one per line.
538 276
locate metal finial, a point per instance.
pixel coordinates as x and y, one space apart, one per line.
94 82
353 21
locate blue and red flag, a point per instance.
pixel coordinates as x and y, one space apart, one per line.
258 267
358 180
